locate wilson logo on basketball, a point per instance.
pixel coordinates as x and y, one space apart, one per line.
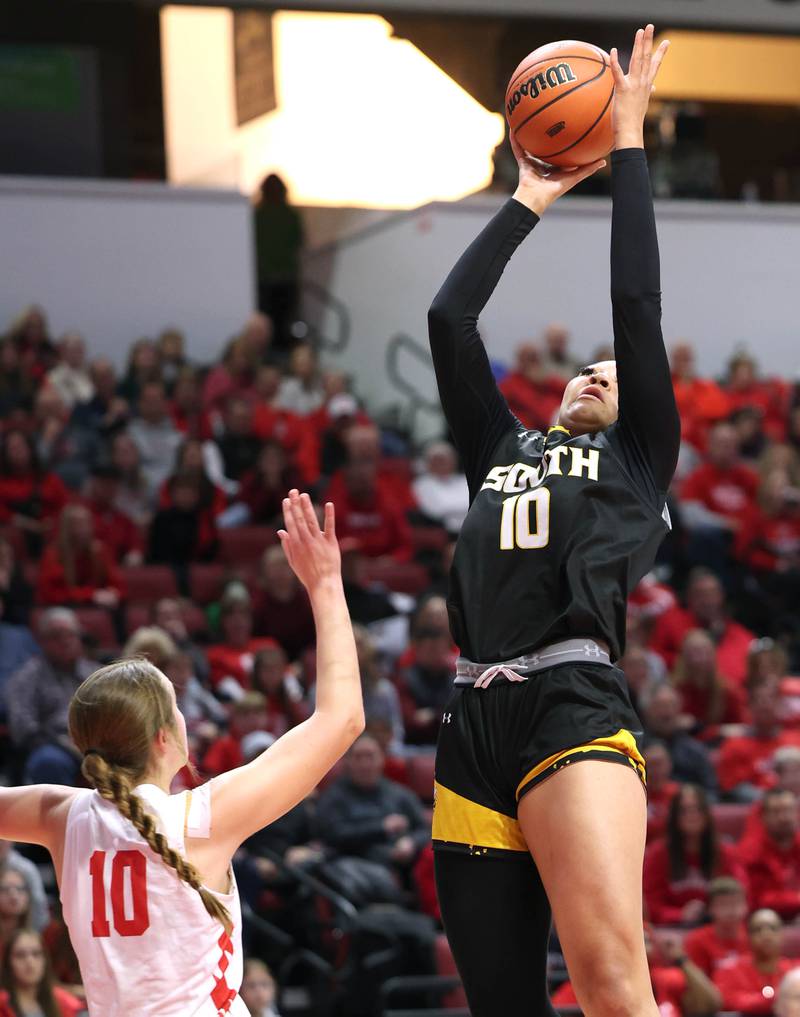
553 77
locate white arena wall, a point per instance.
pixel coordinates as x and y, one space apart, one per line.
121 260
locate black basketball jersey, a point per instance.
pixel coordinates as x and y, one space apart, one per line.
552 553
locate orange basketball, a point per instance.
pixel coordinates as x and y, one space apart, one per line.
559 102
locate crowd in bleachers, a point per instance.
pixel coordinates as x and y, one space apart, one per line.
137 516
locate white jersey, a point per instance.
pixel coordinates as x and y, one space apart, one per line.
146 945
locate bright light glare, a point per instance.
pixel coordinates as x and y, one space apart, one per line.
367 120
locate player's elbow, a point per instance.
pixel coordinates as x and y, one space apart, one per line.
443 319
637 298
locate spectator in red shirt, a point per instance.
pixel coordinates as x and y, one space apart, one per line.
769 396
705 609
231 660
113 527
367 513
248 714
532 395
285 701
707 699
744 768
716 499
233 378
363 443
186 406
660 788
770 540
77 569
786 777
724 939
28 980
749 985
31 499
281 608
701 402
294 433
263 488
679 867
772 860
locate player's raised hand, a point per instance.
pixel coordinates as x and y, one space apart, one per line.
540 184
313 553
632 91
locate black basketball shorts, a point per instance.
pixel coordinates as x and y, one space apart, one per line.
499 742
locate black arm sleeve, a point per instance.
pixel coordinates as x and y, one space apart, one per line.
649 426
476 411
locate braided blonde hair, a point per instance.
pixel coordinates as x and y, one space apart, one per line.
113 718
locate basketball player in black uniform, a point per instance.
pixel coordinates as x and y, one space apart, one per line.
561 527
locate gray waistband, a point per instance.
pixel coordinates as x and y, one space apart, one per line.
517 670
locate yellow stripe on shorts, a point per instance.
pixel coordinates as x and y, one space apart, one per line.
458 820
620 744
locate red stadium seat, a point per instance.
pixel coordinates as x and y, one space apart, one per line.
244 545
401 577
30 569
149 583
206 582
136 615
419 772
730 819
445 965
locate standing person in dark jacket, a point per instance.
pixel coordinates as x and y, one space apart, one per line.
364 814
561 527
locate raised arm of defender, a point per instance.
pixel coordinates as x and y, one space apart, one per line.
248 798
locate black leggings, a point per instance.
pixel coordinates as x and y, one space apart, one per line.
497 919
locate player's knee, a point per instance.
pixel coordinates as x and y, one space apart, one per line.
608 985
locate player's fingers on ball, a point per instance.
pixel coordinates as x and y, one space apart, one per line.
647 46
658 57
616 70
636 55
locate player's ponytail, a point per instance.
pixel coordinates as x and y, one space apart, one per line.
113 718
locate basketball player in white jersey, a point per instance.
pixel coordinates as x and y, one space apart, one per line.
145 877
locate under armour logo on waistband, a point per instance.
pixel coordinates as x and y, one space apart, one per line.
592 650
446 718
